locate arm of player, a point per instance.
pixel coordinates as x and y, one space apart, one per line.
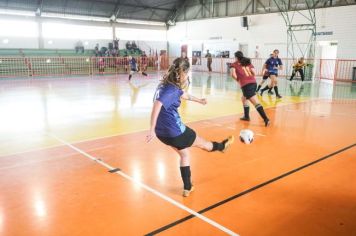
157 105
233 74
189 97
253 71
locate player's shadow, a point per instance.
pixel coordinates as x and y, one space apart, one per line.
296 92
135 89
269 100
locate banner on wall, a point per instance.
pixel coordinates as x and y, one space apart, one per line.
196 57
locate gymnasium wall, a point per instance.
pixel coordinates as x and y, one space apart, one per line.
268 31
23 32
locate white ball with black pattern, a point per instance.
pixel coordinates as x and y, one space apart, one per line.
246 136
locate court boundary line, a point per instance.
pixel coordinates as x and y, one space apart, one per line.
250 190
138 131
146 187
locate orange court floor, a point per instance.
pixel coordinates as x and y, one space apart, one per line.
74 161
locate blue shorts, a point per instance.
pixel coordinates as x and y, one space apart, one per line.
273 73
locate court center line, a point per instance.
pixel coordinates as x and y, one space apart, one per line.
146 187
249 190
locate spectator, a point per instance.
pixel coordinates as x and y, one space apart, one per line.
134 46
79 47
101 66
209 60
97 53
257 52
103 51
116 44
144 61
128 45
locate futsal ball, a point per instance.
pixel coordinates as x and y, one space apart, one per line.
246 136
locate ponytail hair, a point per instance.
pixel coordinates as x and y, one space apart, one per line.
175 71
244 61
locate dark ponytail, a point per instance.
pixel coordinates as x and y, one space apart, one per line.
244 61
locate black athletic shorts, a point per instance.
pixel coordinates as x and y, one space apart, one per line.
249 90
182 141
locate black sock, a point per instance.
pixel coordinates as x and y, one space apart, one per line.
261 111
265 88
130 77
218 146
185 173
258 88
276 90
144 73
246 111
270 89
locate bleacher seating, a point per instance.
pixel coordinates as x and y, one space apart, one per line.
10 52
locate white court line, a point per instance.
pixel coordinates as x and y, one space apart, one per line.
261 135
20 164
155 192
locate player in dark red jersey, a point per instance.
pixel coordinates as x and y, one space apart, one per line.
144 60
243 72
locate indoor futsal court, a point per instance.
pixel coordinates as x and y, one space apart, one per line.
177 117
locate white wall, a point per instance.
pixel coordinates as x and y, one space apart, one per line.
269 31
18 42
12 37
23 32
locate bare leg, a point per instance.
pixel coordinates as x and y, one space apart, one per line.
184 157
203 144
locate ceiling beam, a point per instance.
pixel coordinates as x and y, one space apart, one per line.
175 12
39 7
120 4
152 7
117 8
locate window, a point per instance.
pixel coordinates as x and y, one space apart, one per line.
13 28
141 34
68 31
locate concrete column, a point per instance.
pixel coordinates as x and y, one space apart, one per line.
40 35
113 32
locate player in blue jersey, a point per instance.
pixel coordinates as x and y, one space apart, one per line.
272 65
264 77
134 67
166 123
